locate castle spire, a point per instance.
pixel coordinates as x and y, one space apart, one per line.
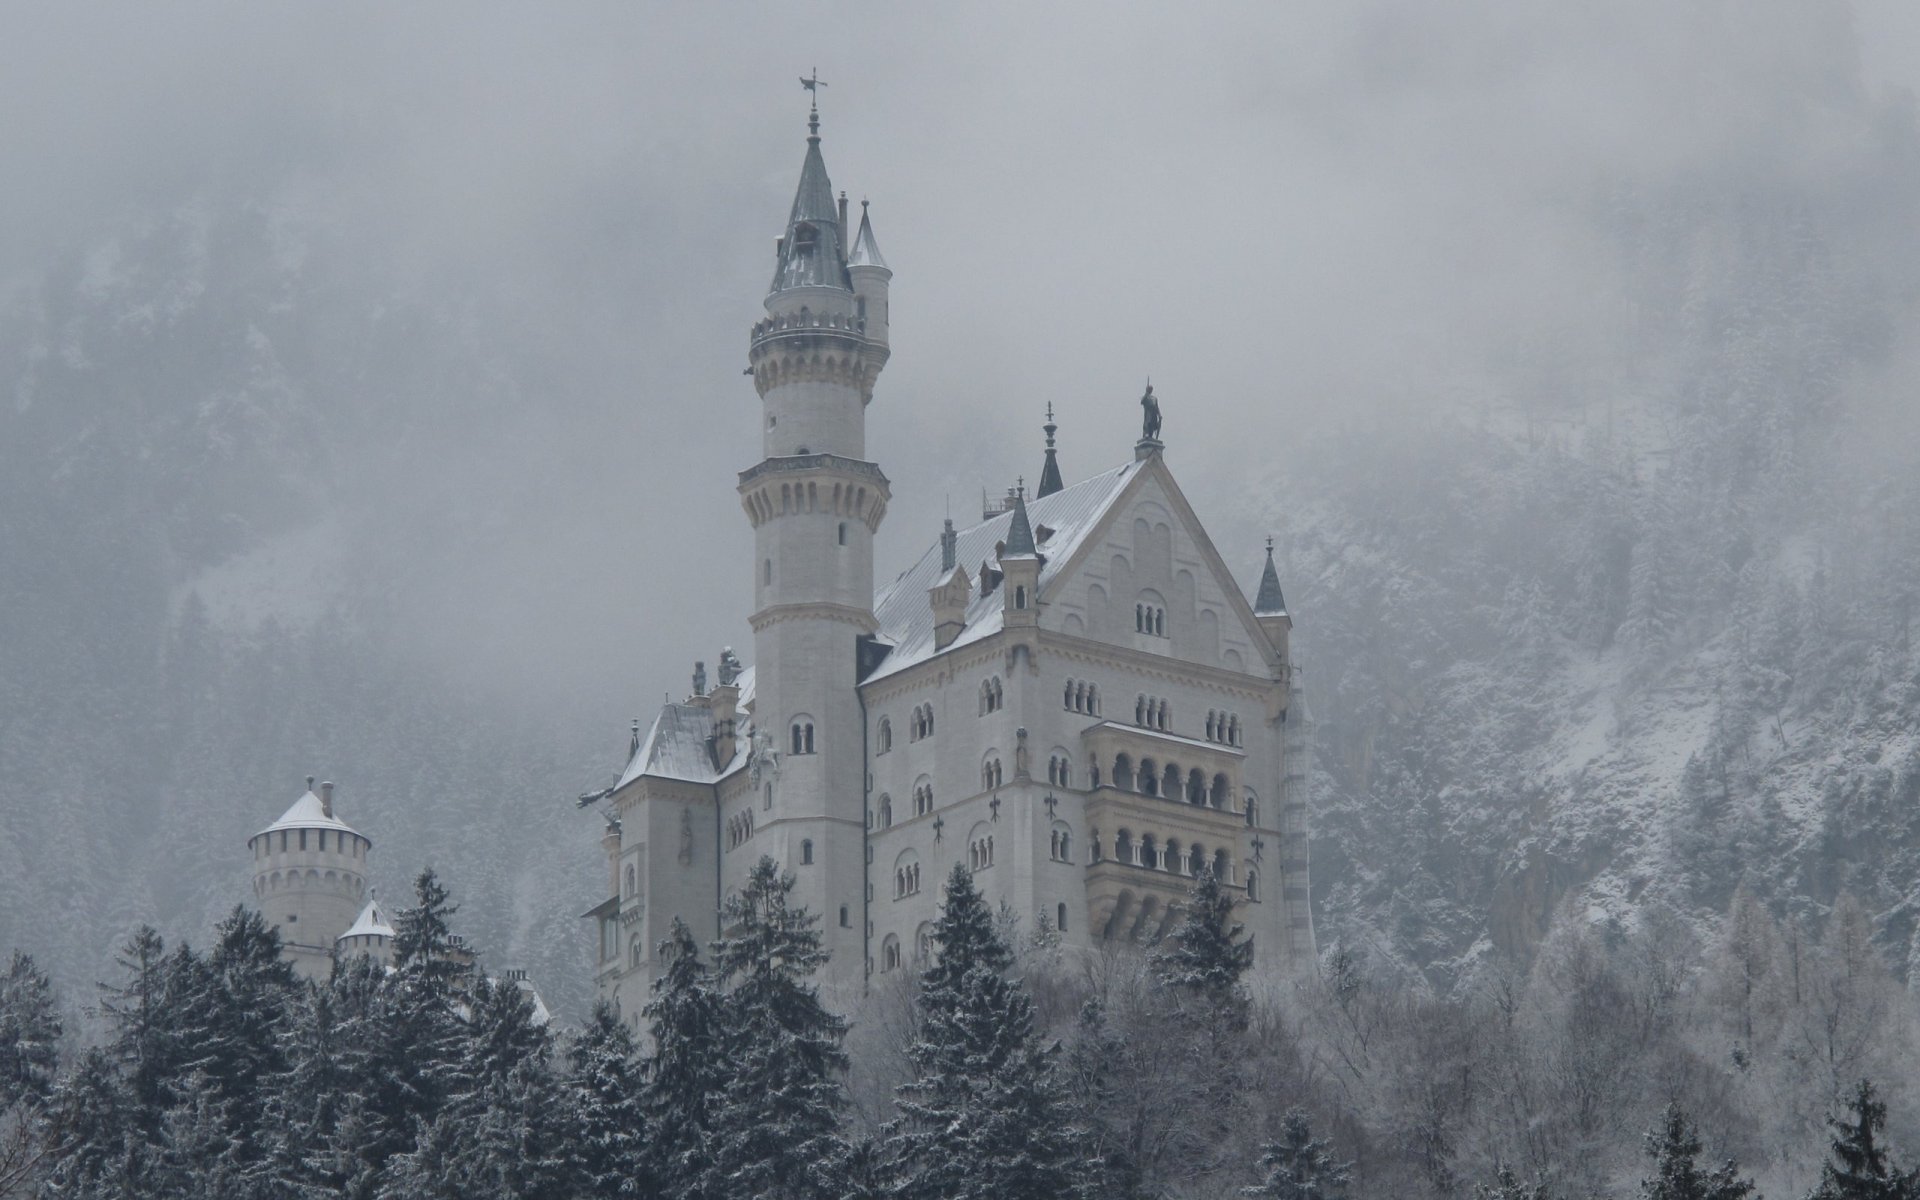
1270 603
1050 472
1020 534
866 251
813 251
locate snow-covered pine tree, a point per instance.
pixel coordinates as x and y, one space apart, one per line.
509 1107
142 1042
95 1147
604 1084
1674 1147
30 1032
1300 1166
200 1158
983 1117
1087 1070
776 1124
236 1019
1507 1186
1858 1166
308 1107
685 1074
1209 954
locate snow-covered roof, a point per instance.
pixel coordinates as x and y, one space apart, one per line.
676 746
906 617
309 813
540 1014
822 260
370 923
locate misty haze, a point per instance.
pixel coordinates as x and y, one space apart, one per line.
957 601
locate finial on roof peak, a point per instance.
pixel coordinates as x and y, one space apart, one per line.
1050 481
813 83
309 783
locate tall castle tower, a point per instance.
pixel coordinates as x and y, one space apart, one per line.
310 879
815 503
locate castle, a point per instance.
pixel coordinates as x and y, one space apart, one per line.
1072 697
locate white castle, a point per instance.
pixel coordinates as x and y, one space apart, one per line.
310 880
1073 697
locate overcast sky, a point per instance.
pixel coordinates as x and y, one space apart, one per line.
1292 216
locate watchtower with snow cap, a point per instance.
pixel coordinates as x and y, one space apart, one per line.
310 878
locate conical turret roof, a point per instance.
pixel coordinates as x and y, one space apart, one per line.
370 923
308 812
813 253
1270 603
1020 533
866 251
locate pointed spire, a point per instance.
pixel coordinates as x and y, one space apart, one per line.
866 251
1049 473
1020 534
813 252
1270 603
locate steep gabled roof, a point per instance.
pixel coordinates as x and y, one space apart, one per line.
906 618
676 747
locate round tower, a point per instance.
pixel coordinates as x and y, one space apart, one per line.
370 934
310 878
815 503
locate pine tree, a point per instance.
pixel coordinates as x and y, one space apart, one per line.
1674 1147
1858 1166
604 1083
307 1107
685 1074
143 1043
237 1018
199 1154
1111 1170
95 1147
1507 1186
1300 1166
983 1117
1210 952
29 1034
776 1125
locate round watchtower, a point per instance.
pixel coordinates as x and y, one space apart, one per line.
369 934
310 878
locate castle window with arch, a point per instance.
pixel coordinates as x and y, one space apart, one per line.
846 918
1081 697
992 696
801 739
630 884
1253 885
990 774
923 944
886 811
1060 771
843 533
890 953
906 876
1061 922
885 735
980 852
806 852
1020 596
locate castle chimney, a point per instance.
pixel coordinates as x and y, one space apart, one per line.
949 548
843 220
326 802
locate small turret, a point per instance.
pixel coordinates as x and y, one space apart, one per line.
370 934
1270 608
1020 563
869 273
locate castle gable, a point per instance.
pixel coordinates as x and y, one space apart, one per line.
676 747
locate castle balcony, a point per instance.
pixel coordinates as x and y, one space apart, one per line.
1132 902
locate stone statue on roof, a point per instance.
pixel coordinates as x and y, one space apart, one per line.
1149 416
730 667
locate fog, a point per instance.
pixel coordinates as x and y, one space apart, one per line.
1288 216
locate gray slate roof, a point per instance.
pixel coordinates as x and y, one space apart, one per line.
1270 603
676 746
905 616
866 252
823 263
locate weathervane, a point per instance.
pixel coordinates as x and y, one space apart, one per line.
813 83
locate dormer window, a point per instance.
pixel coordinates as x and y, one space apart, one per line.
806 238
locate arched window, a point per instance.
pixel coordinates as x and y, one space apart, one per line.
1149 778
1062 842
1253 885
628 890
637 951
766 797
1176 859
846 919
1196 787
1233 731
1149 854
1166 718
1140 710
1253 808
843 533
1093 701
1069 701
1222 867
806 852
886 811
1123 849
885 735
1061 922
801 740
1123 772
923 943
1196 860
1217 794
890 954
906 874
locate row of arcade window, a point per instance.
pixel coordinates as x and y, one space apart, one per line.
990 774
1150 618
1152 713
1152 780
992 696
1170 857
1223 728
1082 697
739 828
980 853
921 724
1060 846
1059 771
342 844
906 880
800 739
